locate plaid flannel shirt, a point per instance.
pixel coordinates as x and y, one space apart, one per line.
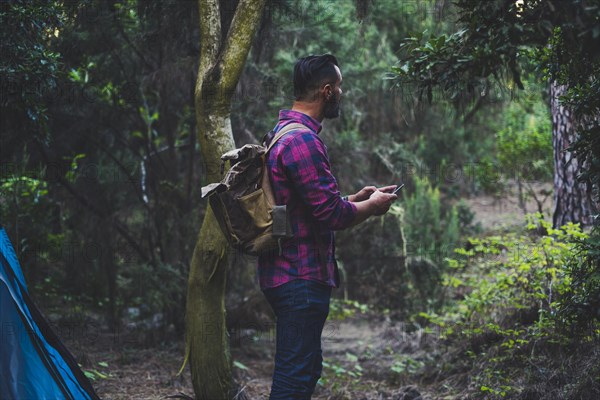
301 178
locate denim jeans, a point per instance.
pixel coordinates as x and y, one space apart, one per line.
301 308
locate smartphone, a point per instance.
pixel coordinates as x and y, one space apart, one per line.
398 189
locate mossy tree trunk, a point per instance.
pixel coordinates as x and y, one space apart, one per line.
222 58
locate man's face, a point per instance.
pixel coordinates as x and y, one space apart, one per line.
331 109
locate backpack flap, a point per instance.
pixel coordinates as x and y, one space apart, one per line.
246 151
213 188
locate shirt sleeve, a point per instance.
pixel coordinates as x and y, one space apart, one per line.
307 166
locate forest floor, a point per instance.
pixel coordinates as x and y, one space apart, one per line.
367 356
504 211
359 353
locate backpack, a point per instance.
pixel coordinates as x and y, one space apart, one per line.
243 202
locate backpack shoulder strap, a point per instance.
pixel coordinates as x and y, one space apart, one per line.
283 131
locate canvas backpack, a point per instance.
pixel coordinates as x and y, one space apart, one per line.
243 202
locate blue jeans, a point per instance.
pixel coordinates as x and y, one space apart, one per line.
301 308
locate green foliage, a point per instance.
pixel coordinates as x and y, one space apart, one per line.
496 40
491 39
405 365
520 272
240 365
364 50
23 187
398 274
371 111
581 309
431 230
96 373
29 68
337 375
104 91
466 219
433 60
341 309
524 145
512 293
25 204
373 269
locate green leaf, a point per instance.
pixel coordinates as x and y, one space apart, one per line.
89 375
239 365
351 357
441 41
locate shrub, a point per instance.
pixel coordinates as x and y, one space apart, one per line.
431 231
372 260
515 295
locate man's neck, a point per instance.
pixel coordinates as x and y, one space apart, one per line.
312 109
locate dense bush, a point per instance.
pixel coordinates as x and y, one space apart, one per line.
373 268
432 230
398 263
510 314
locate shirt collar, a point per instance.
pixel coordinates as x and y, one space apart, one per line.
291 116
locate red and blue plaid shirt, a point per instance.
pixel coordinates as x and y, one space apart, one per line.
301 178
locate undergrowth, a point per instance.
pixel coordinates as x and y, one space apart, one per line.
509 328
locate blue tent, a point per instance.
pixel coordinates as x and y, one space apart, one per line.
34 364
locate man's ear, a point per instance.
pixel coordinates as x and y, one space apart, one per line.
327 91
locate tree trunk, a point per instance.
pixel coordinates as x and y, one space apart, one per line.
207 339
572 199
221 64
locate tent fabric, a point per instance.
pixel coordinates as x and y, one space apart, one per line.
34 364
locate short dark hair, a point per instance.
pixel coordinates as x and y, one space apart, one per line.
313 71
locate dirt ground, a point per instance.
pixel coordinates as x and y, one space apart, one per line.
124 372
504 211
362 352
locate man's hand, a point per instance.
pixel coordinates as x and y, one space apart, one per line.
363 194
377 204
366 192
388 189
382 201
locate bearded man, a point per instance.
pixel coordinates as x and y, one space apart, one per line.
298 278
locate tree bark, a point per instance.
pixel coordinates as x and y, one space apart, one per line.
572 199
221 64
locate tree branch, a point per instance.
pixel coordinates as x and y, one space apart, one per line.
239 39
473 110
210 38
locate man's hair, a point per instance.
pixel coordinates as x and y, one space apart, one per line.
313 71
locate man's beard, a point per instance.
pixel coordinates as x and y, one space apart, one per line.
332 108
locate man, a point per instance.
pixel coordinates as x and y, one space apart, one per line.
297 280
